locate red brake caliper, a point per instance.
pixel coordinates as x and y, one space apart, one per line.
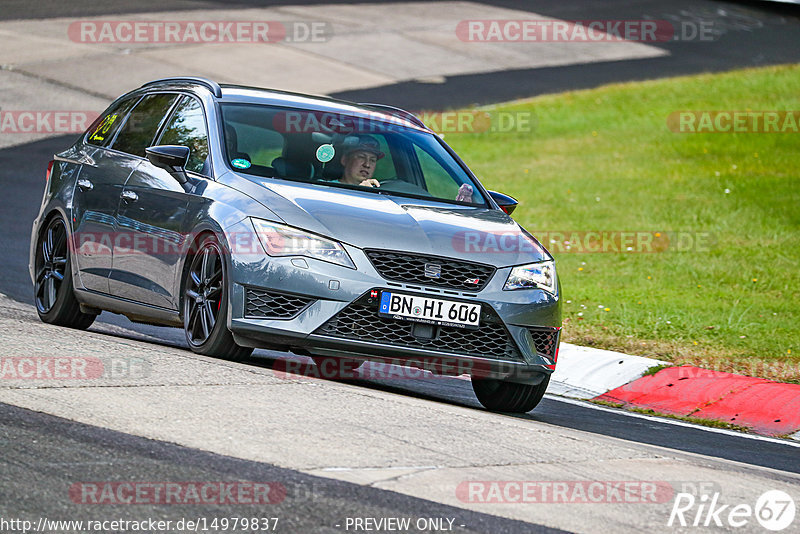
221 289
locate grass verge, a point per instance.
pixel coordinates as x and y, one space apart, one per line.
721 288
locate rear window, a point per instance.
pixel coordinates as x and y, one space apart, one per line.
102 132
143 123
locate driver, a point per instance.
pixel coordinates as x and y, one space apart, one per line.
359 162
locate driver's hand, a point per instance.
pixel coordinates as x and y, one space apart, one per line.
370 182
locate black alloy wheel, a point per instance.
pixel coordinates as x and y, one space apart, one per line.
53 290
205 300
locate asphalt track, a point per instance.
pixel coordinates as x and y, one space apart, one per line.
745 34
67 452
98 454
22 181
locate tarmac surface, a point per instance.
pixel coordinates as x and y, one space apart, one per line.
391 51
69 453
422 438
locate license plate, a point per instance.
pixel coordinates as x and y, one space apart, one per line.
429 310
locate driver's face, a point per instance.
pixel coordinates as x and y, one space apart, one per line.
358 166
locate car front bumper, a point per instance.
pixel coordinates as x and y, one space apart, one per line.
318 308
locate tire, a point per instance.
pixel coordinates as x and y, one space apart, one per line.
205 304
500 396
53 290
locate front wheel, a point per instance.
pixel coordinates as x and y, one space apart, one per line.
205 304
501 396
53 291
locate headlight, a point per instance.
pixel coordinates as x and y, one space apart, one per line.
280 240
534 275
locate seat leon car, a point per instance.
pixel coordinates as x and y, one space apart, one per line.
255 218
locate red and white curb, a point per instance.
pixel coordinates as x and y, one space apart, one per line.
767 407
586 373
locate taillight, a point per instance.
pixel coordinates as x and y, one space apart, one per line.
49 171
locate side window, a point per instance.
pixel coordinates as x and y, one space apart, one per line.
187 127
258 145
143 122
384 168
103 130
437 181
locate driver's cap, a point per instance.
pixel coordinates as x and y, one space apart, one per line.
364 143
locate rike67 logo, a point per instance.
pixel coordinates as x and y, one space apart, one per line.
774 510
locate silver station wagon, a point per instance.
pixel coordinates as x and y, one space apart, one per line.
259 218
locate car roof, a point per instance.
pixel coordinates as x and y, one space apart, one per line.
229 93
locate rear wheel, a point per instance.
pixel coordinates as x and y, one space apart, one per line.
55 299
205 304
501 396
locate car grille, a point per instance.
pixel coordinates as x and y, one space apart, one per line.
410 268
270 305
360 321
545 340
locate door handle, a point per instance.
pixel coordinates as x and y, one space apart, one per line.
85 185
129 196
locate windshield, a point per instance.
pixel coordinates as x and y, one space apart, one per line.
336 150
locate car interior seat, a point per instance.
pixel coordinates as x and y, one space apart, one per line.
232 142
296 159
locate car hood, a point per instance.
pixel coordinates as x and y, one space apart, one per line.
383 221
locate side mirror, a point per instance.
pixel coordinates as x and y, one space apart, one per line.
172 158
507 204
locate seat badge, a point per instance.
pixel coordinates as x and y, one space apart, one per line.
433 270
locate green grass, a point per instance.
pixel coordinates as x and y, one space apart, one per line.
604 159
652 371
713 423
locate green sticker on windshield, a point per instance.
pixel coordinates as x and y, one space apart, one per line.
240 163
325 153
